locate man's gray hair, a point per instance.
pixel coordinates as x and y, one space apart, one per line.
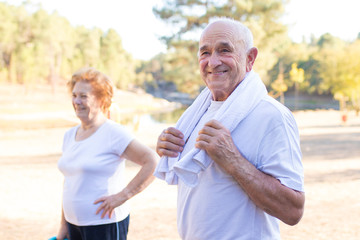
244 31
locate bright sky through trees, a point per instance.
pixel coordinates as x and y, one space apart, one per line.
139 29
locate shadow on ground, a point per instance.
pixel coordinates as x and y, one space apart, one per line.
331 146
335 176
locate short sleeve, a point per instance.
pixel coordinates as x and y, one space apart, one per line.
120 138
280 154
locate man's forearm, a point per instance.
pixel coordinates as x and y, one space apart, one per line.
267 192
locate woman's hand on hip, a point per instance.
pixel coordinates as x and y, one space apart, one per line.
108 204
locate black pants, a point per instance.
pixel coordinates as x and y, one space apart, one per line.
111 231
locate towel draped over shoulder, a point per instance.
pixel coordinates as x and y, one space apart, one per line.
236 107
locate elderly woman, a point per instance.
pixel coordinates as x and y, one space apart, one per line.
95 194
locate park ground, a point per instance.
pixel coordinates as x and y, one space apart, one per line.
32 124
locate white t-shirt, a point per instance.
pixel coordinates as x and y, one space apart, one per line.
93 168
218 208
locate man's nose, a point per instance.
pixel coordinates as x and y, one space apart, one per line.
214 60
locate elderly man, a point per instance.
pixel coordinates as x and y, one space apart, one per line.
235 152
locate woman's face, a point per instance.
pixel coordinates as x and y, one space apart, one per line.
85 103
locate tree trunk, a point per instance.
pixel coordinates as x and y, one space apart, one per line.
296 96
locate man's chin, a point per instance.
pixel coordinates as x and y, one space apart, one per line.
219 94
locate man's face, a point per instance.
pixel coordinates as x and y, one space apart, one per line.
222 59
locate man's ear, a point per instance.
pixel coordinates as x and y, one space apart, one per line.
250 59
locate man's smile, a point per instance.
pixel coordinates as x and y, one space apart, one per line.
217 72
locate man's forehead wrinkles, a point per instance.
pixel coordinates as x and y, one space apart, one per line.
224 44
216 45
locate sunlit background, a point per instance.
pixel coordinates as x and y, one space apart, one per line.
309 59
140 29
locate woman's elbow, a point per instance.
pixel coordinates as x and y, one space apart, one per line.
151 161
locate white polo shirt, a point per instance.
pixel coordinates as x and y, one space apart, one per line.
93 168
218 208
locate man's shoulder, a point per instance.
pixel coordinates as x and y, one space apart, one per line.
271 107
270 111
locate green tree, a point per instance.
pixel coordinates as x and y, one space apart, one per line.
51 37
327 56
341 74
188 17
297 77
21 60
117 63
181 67
279 85
38 47
9 30
87 47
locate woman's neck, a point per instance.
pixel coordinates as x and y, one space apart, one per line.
88 128
92 123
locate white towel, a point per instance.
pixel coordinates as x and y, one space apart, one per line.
236 107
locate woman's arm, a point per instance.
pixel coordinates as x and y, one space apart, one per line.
146 158
63 231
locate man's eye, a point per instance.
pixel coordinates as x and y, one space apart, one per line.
224 50
204 53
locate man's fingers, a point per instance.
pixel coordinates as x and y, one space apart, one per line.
168 137
203 138
168 149
213 128
207 130
201 145
170 146
175 132
165 152
214 124
172 135
170 143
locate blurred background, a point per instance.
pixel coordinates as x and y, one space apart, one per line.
308 50
309 59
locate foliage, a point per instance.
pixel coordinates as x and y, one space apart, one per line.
123 71
330 66
341 73
181 67
279 86
38 47
188 17
296 74
323 66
